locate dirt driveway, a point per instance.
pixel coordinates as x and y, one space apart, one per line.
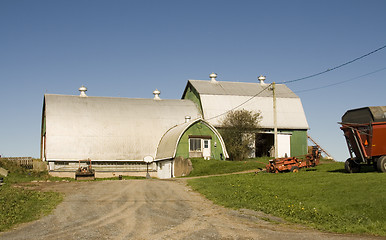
150 209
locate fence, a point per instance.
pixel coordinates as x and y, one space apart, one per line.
26 162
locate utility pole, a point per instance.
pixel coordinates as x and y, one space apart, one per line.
261 79
274 119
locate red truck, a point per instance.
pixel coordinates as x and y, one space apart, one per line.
365 133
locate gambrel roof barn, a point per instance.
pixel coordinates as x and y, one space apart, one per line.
215 98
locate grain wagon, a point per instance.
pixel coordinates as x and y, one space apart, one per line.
365 133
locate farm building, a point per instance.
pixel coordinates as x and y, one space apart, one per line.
214 98
118 133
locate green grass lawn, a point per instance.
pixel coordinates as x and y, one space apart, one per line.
19 205
203 167
324 198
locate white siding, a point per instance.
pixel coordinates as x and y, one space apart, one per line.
284 145
107 129
290 113
165 169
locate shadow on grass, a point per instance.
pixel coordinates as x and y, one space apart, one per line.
338 171
311 170
363 169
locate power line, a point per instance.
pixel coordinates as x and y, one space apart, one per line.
334 68
310 76
306 90
333 84
240 103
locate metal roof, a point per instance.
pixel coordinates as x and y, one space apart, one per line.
217 98
103 128
365 115
168 144
240 89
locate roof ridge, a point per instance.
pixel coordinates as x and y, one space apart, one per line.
240 89
128 98
208 81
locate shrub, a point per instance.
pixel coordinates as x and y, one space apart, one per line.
238 130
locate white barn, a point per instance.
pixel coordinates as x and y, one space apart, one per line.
215 98
116 133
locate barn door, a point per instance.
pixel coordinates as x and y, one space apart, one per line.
206 148
284 145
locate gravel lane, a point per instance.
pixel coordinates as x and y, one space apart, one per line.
150 209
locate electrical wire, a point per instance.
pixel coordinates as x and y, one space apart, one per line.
310 76
306 90
333 84
334 68
241 103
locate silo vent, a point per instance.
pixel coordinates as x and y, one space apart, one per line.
187 118
156 94
82 91
261 79
213 77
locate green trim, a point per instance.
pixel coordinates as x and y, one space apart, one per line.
299 143
200 129
192 94
43 129
44 125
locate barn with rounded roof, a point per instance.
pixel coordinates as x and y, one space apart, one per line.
116 134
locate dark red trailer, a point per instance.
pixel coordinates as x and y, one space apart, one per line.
365 133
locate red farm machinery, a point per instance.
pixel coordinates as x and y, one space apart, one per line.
293 164
365 133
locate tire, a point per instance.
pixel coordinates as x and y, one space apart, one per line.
351 166
294 169
381 164
313 163
347 166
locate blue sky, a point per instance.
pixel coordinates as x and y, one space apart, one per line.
129 48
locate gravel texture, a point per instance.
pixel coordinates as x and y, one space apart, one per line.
151 209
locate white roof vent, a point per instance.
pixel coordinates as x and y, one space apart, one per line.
82 91
261 79
213 77
156 94
187 118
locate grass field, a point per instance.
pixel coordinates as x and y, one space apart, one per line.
324 198
203 167
19 205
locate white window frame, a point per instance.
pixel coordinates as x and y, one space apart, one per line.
198 140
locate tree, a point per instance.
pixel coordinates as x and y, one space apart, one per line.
238 129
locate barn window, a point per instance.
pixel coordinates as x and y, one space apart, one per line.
195 144
206 143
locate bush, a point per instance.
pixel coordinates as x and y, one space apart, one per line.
20 174
238 130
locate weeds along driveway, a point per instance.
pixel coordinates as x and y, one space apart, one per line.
150 209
